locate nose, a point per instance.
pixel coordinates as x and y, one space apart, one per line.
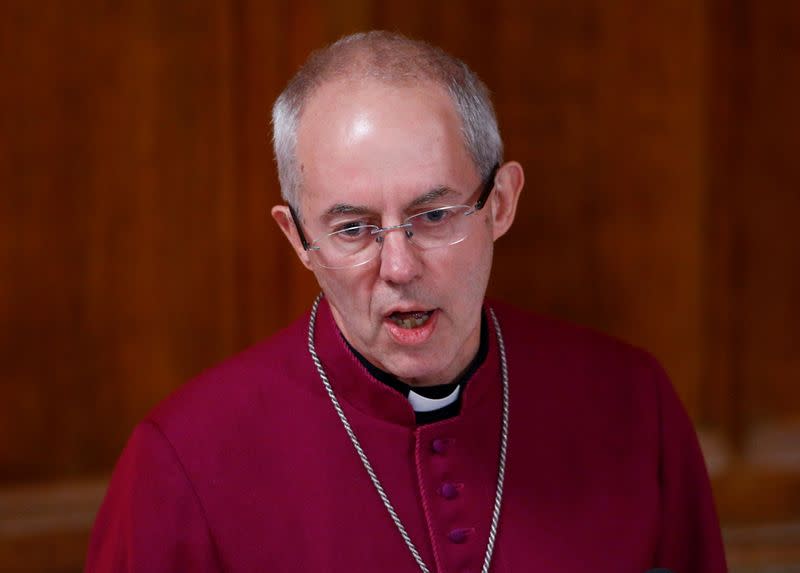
400 260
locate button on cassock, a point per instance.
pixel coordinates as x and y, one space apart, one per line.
448 490
459 535
440 445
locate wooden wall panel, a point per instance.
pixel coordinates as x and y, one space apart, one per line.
769 198
136 246
259 68
752 395
605 111
122 215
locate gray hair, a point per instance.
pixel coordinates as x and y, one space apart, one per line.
392 58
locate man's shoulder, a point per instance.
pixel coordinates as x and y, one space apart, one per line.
237 388
576 379
559 345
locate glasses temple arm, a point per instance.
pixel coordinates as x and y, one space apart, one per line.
296 219
487 189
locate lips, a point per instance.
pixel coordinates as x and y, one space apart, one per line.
411 327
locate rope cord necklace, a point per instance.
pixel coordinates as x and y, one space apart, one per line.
501 471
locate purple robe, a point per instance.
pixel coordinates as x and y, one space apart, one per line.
248 468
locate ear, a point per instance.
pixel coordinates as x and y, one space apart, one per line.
284 219
508 183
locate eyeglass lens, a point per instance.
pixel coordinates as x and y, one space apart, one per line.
359 244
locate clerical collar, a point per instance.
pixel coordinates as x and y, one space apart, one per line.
432 403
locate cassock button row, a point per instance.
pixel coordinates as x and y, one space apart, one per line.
448 490
459 535
440 445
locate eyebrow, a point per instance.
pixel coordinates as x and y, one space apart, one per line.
347 209
424 199
432 195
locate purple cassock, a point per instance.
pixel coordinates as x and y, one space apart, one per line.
248 468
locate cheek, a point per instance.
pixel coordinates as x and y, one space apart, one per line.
475 256
464 273
345 288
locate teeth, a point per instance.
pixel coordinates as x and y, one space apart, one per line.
413 321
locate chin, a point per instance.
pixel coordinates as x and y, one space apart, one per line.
415 371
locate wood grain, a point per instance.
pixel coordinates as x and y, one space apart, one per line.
661 206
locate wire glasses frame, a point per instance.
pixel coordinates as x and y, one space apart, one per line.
378 232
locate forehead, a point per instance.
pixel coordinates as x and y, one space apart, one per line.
363 142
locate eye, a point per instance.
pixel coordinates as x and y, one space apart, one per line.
434 216
351 230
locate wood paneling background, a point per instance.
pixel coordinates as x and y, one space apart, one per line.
136 248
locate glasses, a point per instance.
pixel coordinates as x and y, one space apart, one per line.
354 244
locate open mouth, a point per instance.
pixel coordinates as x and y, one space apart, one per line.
413 319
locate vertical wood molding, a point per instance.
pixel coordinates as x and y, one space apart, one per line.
728 107
754 284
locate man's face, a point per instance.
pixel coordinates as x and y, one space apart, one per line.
376 149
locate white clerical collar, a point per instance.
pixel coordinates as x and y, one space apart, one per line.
422 404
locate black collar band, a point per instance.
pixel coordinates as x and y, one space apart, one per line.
433 392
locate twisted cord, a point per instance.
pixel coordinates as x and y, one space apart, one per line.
356 444
501 472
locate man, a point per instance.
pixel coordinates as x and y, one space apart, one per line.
406 424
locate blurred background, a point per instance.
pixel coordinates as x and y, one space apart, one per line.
662 205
